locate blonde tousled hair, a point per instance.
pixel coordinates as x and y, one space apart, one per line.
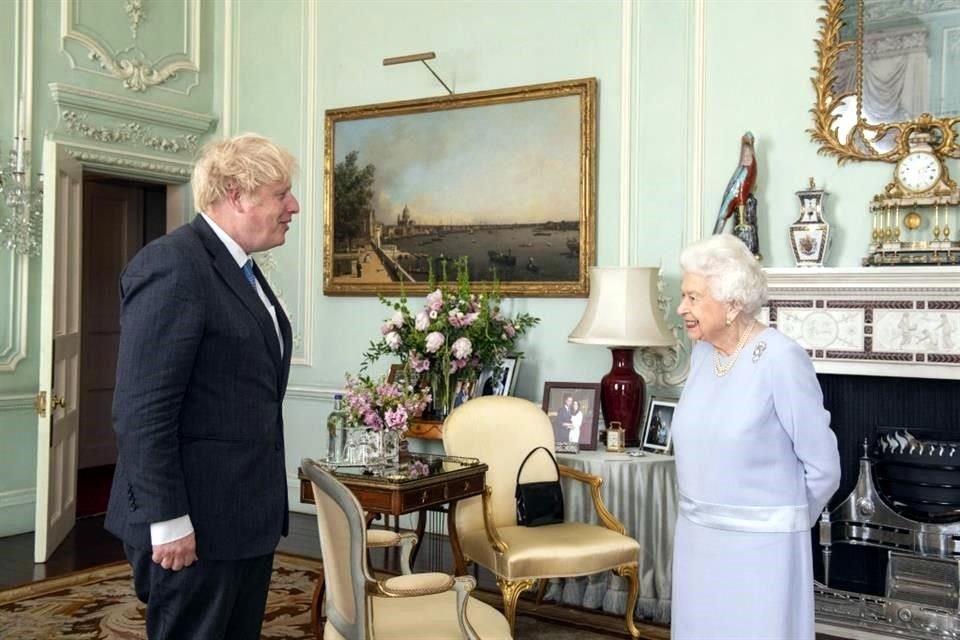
243 162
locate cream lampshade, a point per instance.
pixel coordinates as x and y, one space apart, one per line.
622 313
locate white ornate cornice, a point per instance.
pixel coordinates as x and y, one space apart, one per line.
122 108
124 162
128 62
128 132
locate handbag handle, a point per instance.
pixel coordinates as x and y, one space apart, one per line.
533 451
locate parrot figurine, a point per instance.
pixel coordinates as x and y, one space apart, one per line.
740 185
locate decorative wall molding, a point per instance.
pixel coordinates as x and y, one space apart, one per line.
17 498
878 321
121 108
13 341
665 367
311 151
134 9
694 226
123 162
127 62
16 401
129 133
629 45
120 164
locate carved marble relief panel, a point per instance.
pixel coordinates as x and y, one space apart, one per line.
875 321
144 44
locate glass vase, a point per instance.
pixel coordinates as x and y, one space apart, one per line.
441 389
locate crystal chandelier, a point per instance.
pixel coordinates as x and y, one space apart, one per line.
21 227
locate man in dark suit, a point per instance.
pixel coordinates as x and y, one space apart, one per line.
199 495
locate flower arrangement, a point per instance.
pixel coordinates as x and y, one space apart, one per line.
382 405
453 338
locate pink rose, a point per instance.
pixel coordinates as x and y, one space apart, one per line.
422 321
393 340
462 348
435 340
435 300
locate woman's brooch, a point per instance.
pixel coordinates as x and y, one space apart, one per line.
758 350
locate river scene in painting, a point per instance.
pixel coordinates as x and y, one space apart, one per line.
528 253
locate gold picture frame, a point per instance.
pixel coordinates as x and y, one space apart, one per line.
505 177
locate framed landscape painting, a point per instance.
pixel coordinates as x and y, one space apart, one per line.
503 177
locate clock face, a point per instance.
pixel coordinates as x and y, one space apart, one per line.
918 171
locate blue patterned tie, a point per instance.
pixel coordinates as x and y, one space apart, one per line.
247 269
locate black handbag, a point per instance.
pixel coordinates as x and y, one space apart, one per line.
539 503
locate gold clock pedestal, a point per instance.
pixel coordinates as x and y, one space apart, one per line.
915 220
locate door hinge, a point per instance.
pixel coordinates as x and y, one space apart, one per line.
40 404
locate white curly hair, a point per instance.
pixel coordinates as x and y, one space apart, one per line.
732 273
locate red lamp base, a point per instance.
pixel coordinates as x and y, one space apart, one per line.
622 395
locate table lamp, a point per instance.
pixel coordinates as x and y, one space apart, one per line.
622 314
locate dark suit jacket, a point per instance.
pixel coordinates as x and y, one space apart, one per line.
198 403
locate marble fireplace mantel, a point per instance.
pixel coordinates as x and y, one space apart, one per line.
874 321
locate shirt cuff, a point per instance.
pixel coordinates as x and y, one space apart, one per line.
170 530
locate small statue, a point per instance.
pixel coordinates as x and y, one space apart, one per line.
746 226
740 185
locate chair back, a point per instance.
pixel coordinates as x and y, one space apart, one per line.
344 549
500 431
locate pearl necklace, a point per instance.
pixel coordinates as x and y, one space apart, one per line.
720 368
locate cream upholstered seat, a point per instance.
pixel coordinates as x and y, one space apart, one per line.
501 431
433 606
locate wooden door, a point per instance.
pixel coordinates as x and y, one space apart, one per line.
58 398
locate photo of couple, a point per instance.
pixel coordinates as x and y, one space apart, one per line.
573 412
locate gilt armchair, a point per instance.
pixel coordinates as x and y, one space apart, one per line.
360 606
500 431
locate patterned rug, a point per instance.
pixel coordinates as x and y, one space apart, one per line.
100 605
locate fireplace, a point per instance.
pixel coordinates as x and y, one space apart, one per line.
886 345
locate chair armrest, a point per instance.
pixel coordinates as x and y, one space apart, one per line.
608 519
419 584
492 536
406 540
424 584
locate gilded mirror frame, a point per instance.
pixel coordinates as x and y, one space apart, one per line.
855 144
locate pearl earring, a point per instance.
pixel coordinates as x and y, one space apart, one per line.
729 321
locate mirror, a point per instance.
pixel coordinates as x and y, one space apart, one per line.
886 69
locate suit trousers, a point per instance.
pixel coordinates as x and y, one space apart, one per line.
209 600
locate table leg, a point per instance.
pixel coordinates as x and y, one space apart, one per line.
421 527
317 620
460 565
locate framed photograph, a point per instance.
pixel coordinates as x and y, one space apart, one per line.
615 441
500 382
574 409
657 433
503 177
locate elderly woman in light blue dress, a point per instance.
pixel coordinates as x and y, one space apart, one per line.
756 459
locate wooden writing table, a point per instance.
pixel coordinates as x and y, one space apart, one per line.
420 482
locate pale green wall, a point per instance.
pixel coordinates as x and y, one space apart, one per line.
280 63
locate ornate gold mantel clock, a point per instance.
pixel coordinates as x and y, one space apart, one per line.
914 221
